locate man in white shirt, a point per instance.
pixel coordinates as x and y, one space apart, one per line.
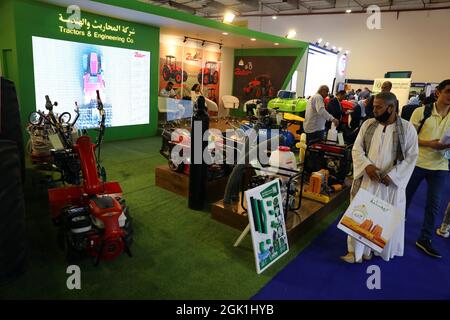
316 116
384 155
168 91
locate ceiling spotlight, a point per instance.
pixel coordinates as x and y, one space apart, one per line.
326 44
225 33
339 49
347 52
291 34
228 17
253 39
276 44
348 11
319 41
334 48
274 17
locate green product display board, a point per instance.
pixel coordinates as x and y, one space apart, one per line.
268 231
20 20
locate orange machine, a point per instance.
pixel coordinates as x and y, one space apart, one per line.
317 183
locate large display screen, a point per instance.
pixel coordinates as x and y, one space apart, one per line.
320 70
70 72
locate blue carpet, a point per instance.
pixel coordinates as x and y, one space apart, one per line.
318 273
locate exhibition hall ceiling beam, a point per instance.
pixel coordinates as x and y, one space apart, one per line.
177 5
359 4
216 8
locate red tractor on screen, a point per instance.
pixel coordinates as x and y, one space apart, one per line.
210 73
260 87
172 71
93 76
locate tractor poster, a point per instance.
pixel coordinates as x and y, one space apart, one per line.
187 65
267 225
260 77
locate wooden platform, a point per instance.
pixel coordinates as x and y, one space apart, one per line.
310 213
179 183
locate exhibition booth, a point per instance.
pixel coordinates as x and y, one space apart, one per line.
92 71
131 70
135 49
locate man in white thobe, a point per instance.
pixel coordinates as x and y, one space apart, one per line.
384 156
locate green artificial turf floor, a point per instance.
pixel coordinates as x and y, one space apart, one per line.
178 253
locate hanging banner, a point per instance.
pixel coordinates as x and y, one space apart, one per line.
260 77
400 87
267 225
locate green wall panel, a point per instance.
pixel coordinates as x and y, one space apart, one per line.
8 57
40 19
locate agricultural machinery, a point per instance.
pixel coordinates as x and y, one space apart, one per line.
93 76
172 71
50 131
259 87
210 73
91 213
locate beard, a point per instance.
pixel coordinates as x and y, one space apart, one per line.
383 117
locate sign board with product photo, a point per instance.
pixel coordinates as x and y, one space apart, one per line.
370 220
400 87
267 225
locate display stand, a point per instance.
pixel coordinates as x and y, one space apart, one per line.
310 213
242 236
178 183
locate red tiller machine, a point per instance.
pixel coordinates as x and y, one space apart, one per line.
92 216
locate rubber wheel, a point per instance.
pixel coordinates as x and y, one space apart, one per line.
205 79
178 77
166 73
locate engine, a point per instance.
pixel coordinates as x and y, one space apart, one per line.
87 233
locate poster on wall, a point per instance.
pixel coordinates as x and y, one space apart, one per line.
70 72
209 75
185 66
260 77
267 225
171 68
400 87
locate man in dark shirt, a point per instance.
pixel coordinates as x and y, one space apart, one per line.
334 108
412 105
385 87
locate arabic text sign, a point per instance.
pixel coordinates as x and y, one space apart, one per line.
94 29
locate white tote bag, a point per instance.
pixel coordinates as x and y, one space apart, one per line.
370 220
